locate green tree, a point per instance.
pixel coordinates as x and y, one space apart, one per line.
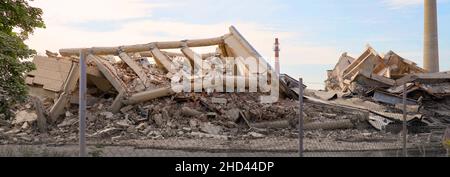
17 21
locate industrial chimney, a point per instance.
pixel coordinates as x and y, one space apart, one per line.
277 56
431 48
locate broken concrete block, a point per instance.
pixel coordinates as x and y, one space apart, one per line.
379 122
233 114
13 131
193 123
91 117
211 115
68 114
146 130
126 109
24 116
132 129
219 100
100 106
25 138
409 108
158 119
123 123
108 115
68 122
165 113
210 107
186 129
190 112
25 126
3 122
155 134
117 138
210 128
106 133
256 135
142 126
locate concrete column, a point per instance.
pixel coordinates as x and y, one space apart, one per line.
431 48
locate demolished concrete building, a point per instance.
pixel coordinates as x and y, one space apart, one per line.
136 82
131 96
373 74
383 79
370 70
131 87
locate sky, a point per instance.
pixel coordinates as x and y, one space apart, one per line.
313 34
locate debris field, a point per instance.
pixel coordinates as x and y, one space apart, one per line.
130 97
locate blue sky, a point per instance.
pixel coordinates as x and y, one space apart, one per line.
313 34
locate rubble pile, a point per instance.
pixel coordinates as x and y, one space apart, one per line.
381 81
371 74
132 95
369 71
187 115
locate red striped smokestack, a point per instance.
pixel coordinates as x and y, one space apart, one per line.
277 56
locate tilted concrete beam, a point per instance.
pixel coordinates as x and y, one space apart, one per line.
162 60
69 87
135 67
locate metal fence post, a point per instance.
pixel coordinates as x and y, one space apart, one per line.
300 122
405 128
82 104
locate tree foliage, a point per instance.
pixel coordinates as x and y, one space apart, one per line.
17 21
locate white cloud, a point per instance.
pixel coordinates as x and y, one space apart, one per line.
299 54
55 37
69 11
396 4
61 15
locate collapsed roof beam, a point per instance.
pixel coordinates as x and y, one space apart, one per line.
69 87
162 60
149 95
145 47
194 58
135 67
235 83
114 80
169 54
112 77
174 54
